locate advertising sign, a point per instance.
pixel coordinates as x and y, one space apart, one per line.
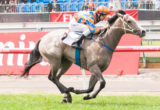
121 63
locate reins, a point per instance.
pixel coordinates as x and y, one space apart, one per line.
124 28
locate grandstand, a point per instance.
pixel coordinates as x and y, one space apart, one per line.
65 5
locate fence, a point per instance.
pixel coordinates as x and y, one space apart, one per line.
125 49
118 49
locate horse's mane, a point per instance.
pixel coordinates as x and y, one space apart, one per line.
121 12
113 19
115 16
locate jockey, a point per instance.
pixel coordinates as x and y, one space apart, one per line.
84 22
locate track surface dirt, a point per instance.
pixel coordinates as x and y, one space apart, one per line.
147 82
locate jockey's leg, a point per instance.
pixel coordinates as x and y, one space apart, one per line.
78 43
78 27
84 35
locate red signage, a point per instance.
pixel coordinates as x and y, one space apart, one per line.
122 63
66 16
14 63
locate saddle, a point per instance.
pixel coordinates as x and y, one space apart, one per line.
71 37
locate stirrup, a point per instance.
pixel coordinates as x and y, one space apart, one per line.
75 45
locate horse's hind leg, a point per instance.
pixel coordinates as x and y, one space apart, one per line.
63 89
55 79
65 65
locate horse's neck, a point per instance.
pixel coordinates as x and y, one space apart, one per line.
113 36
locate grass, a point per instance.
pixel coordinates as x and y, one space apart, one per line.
151 43
151 59
52 102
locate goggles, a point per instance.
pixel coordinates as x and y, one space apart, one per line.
104 15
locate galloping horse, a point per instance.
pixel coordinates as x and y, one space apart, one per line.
94 57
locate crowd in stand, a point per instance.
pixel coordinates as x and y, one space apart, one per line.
53 5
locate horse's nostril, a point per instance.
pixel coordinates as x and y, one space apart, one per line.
143 32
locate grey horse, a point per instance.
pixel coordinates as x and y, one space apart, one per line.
95 55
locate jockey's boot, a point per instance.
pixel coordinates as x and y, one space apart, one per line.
78 43
75 45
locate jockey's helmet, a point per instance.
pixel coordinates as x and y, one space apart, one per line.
102 10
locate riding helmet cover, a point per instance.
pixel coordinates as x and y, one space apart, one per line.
102 10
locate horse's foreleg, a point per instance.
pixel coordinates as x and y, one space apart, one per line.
92 82
96 71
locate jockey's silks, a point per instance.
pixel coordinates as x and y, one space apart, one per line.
89 19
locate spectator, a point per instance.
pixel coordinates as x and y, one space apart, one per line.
12 7
116 4
156 4
130 4
141 4
149 4
1 1
92 6
85 6
24 1
33 1
111 5
123 4
56 6
50 7
5 3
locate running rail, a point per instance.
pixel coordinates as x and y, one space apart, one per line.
118 49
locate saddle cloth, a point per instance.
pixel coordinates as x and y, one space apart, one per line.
71 37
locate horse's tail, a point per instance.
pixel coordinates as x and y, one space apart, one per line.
35 57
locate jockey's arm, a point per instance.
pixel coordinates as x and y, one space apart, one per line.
106 26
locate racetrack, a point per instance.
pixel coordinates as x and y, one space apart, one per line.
147 82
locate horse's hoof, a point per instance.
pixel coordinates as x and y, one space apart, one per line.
69 100
86 97
64 101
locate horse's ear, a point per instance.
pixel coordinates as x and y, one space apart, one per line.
119 15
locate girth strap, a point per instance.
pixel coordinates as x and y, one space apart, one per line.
77 56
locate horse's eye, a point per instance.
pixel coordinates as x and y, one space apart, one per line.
129 22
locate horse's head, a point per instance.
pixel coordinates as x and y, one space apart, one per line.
130 25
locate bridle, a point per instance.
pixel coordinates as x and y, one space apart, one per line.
125 24
124 28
